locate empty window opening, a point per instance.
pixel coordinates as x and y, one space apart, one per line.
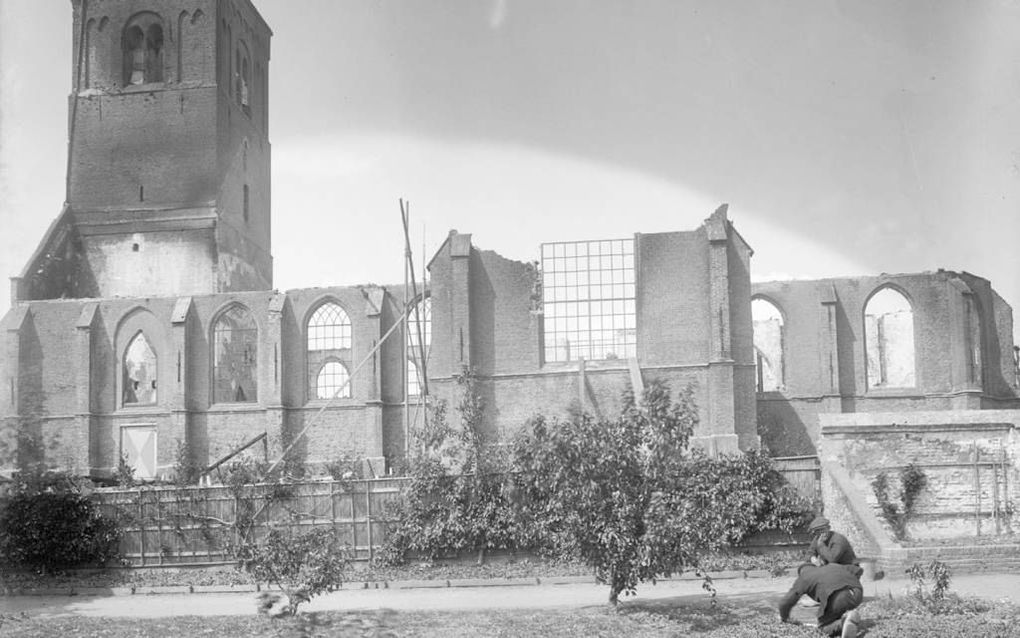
889 338
588 300
134 247
142 46
972 339
768 345
141 193
242 77
244 209
139 372
235 349
329 342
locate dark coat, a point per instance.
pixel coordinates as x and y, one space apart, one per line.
834 548
819 583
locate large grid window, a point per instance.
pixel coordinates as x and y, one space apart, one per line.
329 348
588 300
235 349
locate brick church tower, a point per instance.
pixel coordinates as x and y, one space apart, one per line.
168 175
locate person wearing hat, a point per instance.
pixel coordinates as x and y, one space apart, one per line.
830 546
837 590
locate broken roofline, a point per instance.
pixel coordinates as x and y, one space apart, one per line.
719 218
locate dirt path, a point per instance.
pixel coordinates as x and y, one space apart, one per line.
767 590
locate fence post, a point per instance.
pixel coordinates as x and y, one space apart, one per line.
159 525
141 526
368 517
332 504
354 524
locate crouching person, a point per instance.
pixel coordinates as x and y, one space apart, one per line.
837 588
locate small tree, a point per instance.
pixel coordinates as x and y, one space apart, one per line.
301 566
630 498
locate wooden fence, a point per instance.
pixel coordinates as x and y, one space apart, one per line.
192 525
804 473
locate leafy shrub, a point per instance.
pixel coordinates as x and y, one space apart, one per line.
627 496
457 499
932 596
300 565
124 476
187 471
47 531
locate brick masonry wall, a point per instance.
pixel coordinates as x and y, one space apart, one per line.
672 298
941 368
958 501
159 140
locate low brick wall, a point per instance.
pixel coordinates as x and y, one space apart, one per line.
970 460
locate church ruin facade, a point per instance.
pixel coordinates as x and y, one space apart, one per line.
146 327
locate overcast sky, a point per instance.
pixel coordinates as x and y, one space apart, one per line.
852 137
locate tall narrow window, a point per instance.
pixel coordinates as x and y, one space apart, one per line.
242 78
588 300
768 345
329 349
235 360
142 47
139 372
972 339
244 210
889 338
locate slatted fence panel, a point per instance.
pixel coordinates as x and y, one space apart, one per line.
193 525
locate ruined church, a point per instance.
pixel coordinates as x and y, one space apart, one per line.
146 326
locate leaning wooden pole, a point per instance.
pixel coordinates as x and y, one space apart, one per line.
403 347
414 289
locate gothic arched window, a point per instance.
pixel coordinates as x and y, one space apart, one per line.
329 346
235 357
768 345
889 339
142 48
139 372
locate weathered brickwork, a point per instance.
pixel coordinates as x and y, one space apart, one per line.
168 180
166 234
962 345
968 456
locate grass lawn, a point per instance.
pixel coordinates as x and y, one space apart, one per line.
638 618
